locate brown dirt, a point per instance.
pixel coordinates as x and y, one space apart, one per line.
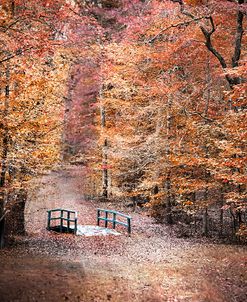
151 265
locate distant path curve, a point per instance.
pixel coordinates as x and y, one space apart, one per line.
59 189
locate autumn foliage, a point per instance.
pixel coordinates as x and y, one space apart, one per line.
149 95
38 44
172 111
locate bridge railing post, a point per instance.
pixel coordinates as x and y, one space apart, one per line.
129 225
61 221
75 229
98 217
106 219
49 220
114 221
68 221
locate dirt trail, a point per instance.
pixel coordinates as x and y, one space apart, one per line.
56 190
151 265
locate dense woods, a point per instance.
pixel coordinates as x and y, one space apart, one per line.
171 119
149 95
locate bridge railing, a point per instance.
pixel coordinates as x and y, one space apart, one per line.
111 216
66 221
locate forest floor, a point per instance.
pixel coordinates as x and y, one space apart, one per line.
150 265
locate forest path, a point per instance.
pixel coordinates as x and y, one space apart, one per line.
151 265
57 190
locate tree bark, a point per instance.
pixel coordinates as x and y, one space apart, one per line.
13 8
238 39
2 221
105 175
4 155
221 214
168 186
205 215
208 81
205 222
234 223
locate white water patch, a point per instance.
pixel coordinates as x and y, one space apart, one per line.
92 230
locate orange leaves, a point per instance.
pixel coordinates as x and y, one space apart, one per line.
188 203
242 232
34 115
167 112
194 2
237 163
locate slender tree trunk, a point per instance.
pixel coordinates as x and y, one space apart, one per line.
205 222
234 224
221 214
205 213
193 199
2 218
64 133
157 134
205 216
105 176
168 183
13 8
105 179
4 155
169 219
208 80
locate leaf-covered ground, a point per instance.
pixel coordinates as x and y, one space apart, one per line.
151 265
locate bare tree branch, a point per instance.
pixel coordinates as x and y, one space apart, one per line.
208 41
207 34
185 23
17 53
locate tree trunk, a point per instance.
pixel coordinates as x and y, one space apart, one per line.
221 216
5 141
105 180
105 171
4 155
13 8
205 222
193 199
168 183
208 80
2 220
169 219
234 223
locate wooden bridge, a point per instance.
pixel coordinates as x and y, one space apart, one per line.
113 219
65 221
61 220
